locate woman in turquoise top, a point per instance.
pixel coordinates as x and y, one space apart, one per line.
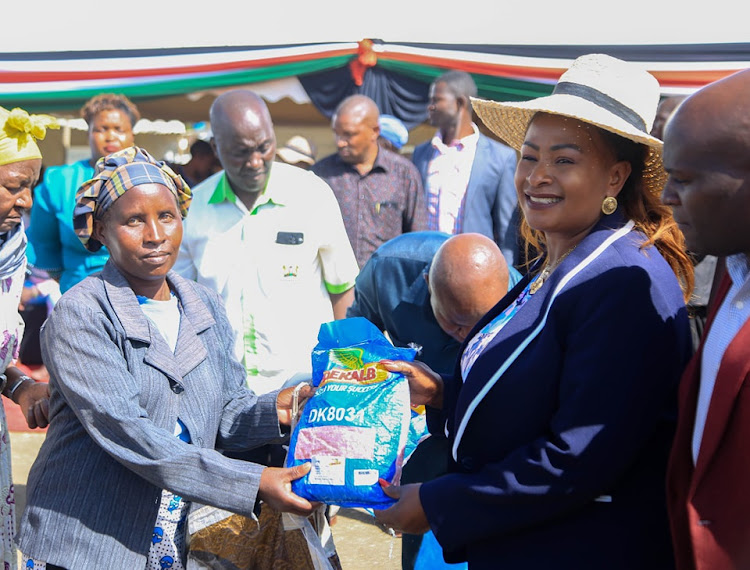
53 245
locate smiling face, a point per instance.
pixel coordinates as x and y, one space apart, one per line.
708 187
142 231
565 172
109 131
16 181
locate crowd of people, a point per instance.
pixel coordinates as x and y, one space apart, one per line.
578 291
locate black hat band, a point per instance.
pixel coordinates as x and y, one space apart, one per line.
602 100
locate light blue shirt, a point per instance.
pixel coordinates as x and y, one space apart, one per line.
732 314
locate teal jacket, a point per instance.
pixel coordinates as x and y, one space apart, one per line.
53 245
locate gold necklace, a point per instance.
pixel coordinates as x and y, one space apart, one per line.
546 271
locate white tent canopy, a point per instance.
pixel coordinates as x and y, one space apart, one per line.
90 25
63 33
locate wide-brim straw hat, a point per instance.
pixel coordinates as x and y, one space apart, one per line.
615 95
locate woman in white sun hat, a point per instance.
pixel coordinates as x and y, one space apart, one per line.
562 405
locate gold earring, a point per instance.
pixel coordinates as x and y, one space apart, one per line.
609 205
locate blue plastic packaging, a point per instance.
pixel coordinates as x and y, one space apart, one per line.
355 428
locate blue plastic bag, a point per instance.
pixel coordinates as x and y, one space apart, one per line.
430 556
355 428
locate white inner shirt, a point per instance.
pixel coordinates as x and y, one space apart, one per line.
165 315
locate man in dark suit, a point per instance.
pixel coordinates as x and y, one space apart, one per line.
468 177
706 150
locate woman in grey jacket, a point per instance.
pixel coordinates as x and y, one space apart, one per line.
144 388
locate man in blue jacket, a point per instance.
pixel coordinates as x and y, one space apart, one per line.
467 276
430 289
468 177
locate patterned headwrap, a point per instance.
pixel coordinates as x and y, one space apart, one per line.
117 173
19 132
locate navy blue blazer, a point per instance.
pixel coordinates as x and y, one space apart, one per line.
491 200
562 428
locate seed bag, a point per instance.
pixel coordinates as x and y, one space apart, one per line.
354 429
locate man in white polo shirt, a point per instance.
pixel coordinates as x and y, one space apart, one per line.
269 238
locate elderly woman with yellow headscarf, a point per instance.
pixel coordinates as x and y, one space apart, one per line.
144 386
20 162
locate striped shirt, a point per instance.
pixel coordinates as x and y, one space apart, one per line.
732 314
447 180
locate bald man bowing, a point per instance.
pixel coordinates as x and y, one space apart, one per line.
430 289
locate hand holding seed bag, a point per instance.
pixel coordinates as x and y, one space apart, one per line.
355 427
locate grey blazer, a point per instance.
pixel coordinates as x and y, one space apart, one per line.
117 391
491 206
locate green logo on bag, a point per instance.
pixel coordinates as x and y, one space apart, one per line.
349 366
348 357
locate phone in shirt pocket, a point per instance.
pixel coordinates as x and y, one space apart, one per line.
290 238
289 261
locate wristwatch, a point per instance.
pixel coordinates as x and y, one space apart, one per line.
19 381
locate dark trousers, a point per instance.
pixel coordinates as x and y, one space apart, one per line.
33 316
430 460
270 455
